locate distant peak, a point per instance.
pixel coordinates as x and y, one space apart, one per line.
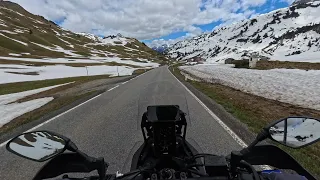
303 1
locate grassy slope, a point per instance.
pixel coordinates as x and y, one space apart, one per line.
257 112
39 30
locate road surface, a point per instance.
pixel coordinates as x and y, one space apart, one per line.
108 126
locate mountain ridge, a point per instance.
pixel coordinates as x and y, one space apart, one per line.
284 34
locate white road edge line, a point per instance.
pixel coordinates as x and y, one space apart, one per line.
39 125
222 124
113 88
125 82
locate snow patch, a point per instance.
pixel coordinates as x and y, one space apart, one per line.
58 49
23 43
9 32
58 71
293 86
2 24
9 110
13 54
19 31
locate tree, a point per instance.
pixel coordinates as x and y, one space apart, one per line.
309 44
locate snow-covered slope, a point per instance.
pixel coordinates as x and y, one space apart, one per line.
291 34
302 1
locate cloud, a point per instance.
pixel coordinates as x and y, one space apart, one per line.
142 19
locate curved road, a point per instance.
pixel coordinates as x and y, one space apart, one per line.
108 126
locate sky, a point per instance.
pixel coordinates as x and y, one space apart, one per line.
154 22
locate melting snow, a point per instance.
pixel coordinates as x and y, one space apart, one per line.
23 43
13 54
294 86
91 60
9 32
57 71
2 24
10 111
19 31
58 49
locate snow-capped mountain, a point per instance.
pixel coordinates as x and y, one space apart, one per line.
161 49
303 1
112 39
291 34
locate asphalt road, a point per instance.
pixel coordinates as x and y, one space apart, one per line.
108 126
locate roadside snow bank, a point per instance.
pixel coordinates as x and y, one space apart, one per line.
10 111
143 63
294 86
20 73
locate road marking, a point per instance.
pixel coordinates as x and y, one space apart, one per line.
113 88
215 117
124 82
222 124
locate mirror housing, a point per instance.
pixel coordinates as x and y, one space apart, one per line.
38 145
43 145
292 122
295 132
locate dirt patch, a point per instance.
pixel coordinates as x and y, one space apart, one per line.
34 73
264 65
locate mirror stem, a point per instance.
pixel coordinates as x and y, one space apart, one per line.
71 146
260 137
96 163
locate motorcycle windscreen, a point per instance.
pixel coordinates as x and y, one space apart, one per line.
161 100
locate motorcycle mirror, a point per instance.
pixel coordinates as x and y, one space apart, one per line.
295 132
37 146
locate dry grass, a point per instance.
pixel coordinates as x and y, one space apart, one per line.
140 71
264 65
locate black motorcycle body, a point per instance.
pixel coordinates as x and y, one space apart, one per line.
165 146
166 154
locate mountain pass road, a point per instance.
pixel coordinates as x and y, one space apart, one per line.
108 126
